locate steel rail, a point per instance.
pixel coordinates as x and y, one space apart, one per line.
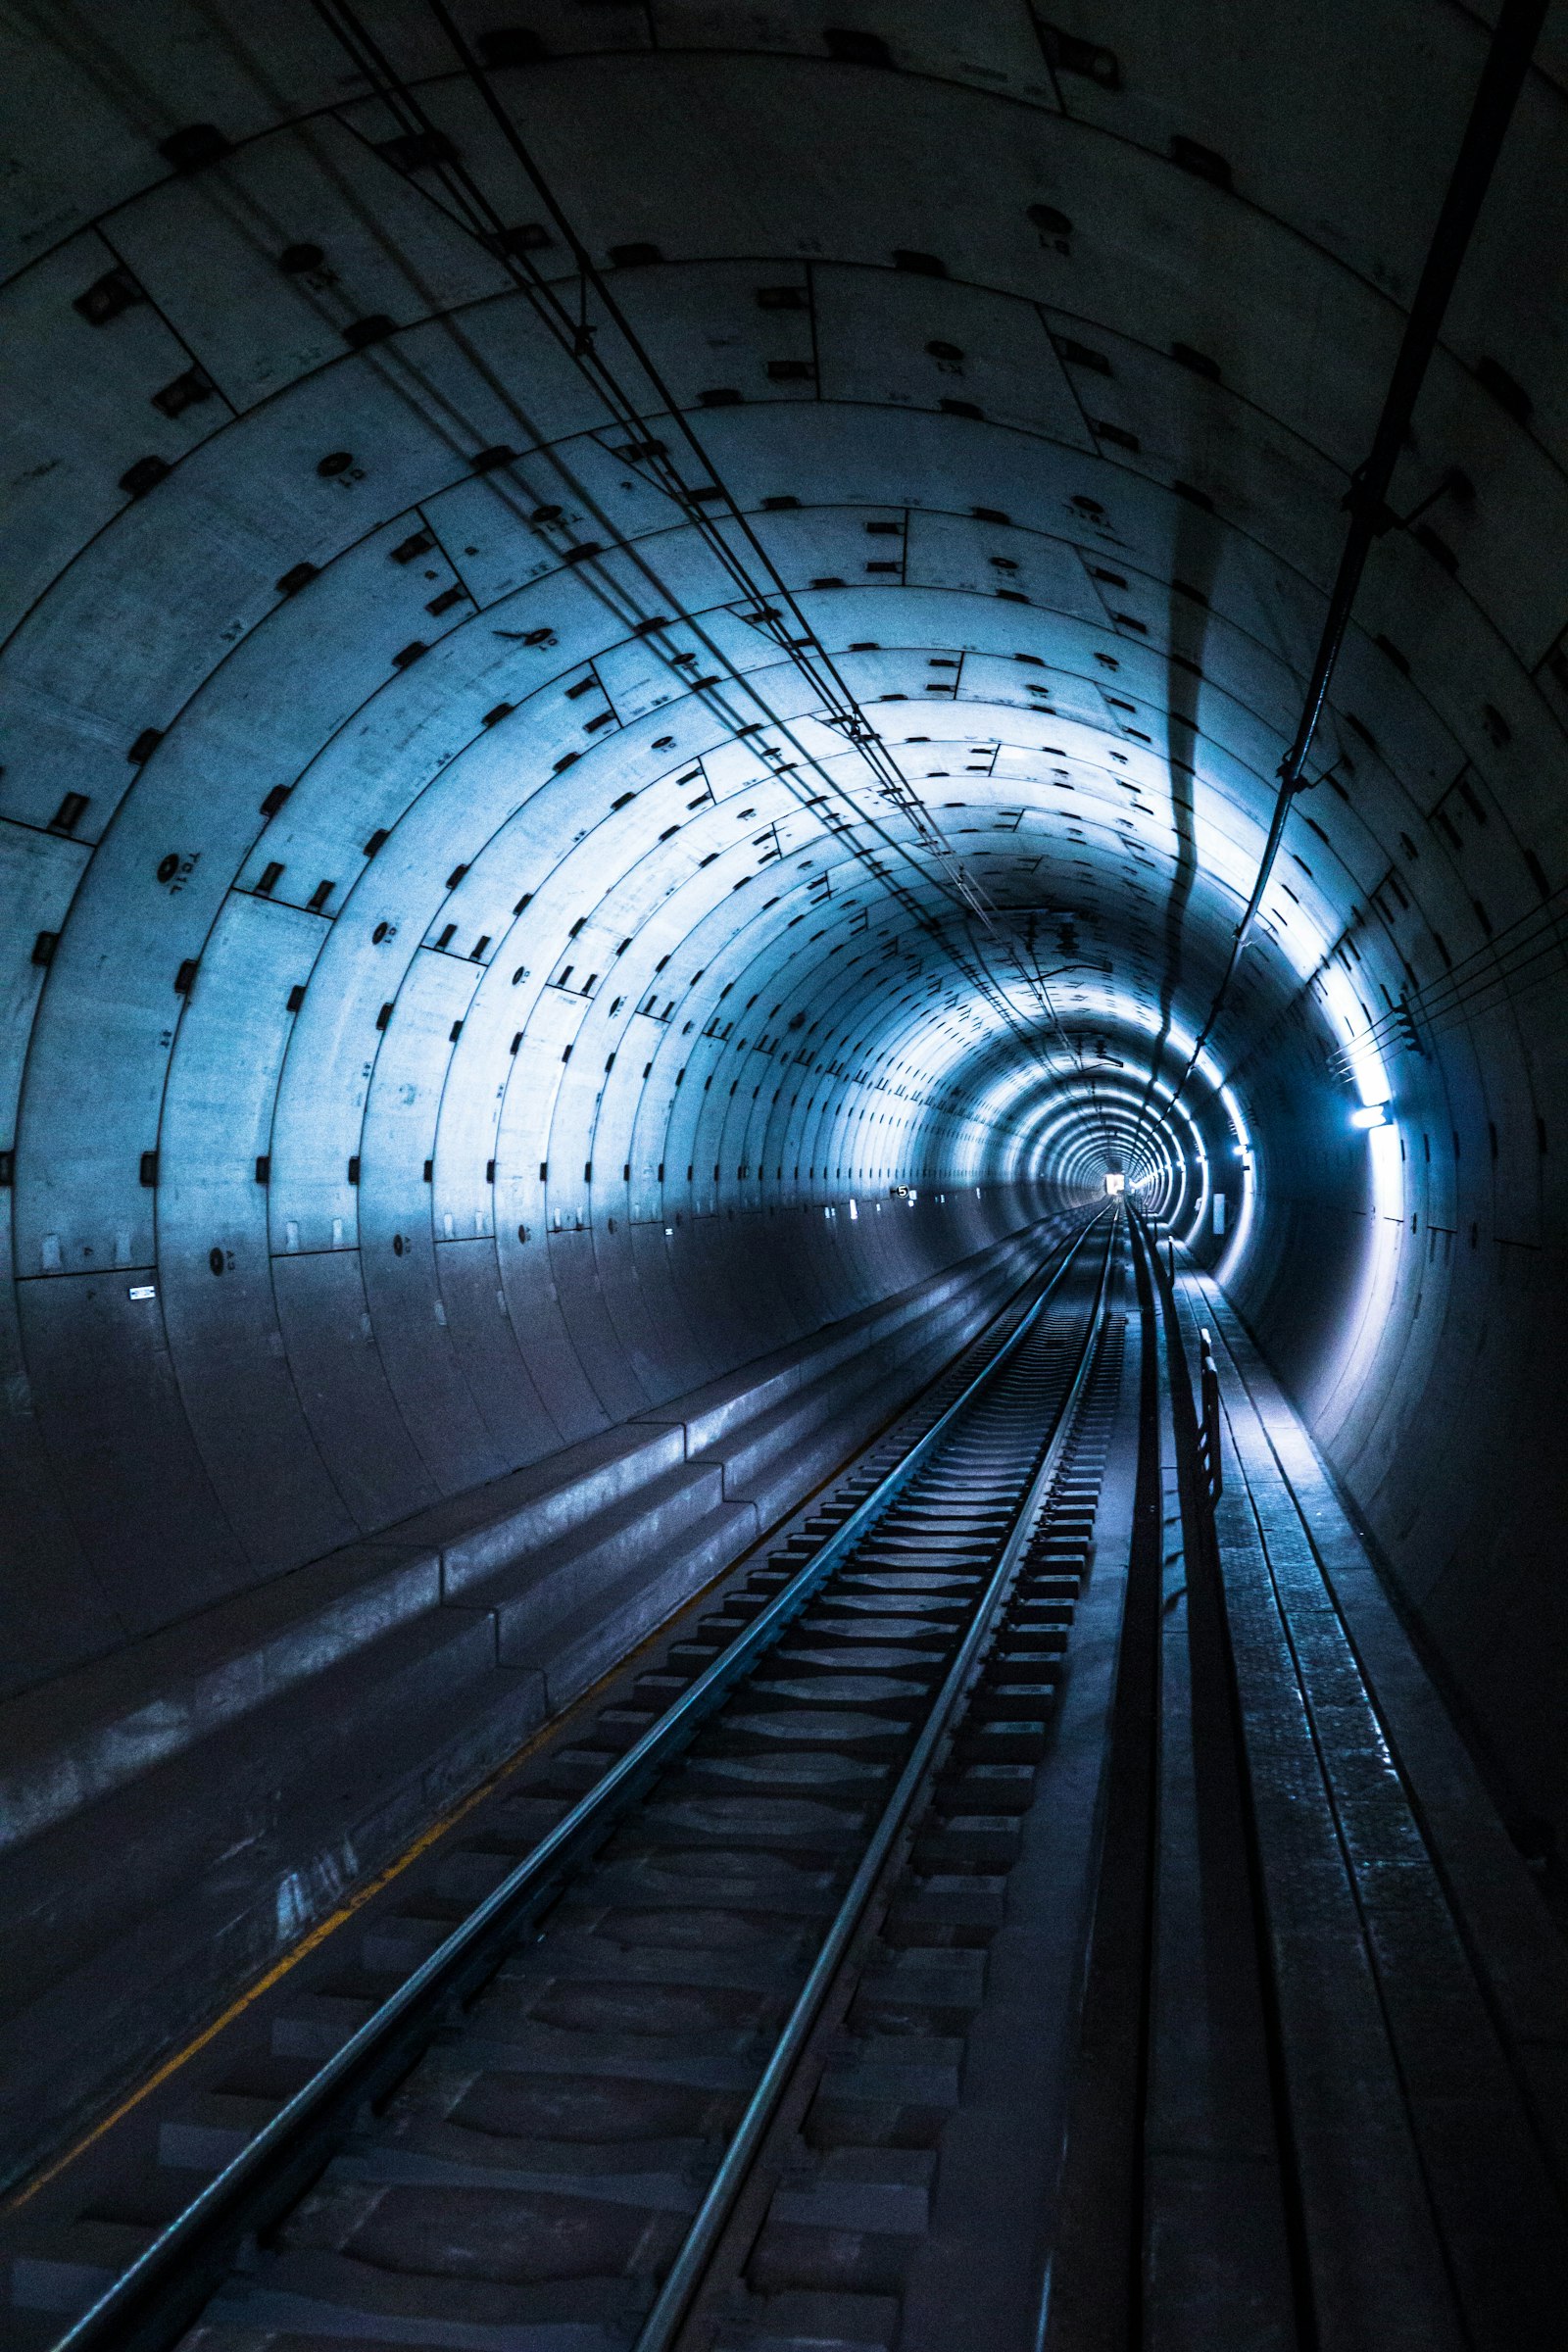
157 2297
685 2276
1092 2272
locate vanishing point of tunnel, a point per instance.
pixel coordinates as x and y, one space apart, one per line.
783 1108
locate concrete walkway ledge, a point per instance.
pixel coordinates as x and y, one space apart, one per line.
704 1474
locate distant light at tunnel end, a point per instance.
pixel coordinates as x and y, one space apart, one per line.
1115 1182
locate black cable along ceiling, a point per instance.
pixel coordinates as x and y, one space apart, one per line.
790 630
1018 837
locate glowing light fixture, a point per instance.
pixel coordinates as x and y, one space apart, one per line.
1371 1114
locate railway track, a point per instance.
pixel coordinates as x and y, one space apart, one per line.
676 2025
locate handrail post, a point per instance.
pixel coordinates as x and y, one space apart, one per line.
1210 1440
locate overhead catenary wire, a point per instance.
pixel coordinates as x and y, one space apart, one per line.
1508 57
801 646
802 649
1535 944
1523 955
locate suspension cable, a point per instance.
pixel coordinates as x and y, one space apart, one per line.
1503 78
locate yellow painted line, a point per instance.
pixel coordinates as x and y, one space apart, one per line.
438 1828
307 1944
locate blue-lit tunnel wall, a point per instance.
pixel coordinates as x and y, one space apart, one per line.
459 979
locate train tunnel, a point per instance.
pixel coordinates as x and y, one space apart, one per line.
653 738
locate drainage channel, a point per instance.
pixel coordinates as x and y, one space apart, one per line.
679 2076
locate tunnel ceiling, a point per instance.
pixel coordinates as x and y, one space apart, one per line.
493 750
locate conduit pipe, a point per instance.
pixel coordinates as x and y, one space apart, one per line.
1508 57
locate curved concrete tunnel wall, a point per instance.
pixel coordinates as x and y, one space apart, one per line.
460 977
